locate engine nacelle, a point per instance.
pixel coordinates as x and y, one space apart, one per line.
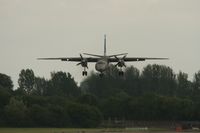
84 63
121 63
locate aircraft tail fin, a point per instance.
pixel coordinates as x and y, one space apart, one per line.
105 54
104 45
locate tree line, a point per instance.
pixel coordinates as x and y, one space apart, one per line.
155 93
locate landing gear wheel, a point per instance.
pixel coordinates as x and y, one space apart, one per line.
121 73
101 75
84 73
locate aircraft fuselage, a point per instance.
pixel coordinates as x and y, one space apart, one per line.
102 64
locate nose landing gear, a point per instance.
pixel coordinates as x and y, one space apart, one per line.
121 73
101 75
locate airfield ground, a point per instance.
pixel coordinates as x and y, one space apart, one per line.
63 130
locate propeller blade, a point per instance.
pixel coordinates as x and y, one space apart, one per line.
78 63
116 64
81 56
116 57
124 57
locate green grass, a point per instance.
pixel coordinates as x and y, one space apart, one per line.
37 130
75 130
57 130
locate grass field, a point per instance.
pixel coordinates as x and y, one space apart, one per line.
51 130
65 130
37 130
62 130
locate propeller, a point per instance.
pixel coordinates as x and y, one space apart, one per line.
120 62
83 62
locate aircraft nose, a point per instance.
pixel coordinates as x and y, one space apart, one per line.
100 67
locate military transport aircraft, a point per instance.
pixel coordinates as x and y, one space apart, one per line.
102 61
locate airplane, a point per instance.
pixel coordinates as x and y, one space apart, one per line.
103 61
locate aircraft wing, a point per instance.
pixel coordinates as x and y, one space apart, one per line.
129 59
72 59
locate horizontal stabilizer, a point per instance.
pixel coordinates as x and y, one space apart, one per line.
93 55
117 55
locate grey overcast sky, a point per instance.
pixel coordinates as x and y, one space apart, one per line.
61 28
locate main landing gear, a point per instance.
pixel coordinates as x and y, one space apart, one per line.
101 75
121 73
84 73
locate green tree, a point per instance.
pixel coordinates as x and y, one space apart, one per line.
4 100
197 80
84 115
159 79
196 94
40 86
184 86
39 115
132 81
62 84
145 107
4 97
110 84
154 94
115 107
16 113
88 99
26 81
6 86
5 82
196 86
49 116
